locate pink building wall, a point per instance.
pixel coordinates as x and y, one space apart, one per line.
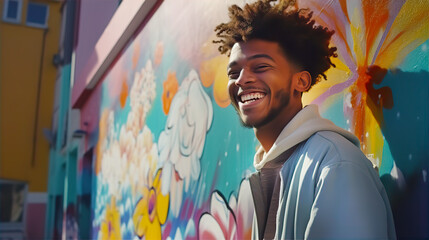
36 207
93 17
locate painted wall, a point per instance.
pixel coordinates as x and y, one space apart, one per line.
170 157
26 102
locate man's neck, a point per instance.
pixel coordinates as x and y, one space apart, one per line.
268 133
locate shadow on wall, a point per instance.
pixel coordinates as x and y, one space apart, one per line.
399 101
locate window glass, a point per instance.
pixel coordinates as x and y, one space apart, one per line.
37 14
12 11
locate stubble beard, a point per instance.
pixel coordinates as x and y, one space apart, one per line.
283 97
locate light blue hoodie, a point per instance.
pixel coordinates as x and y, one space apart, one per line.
328 188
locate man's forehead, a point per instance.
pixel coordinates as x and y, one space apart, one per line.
243 50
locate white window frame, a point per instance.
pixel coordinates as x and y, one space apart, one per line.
5 9
30 24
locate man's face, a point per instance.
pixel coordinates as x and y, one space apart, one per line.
259 84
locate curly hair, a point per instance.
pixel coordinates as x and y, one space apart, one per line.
305 43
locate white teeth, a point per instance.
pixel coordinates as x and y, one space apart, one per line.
251 97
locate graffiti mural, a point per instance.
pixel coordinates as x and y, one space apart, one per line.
172 159
379 92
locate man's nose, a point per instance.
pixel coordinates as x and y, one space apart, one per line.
244 78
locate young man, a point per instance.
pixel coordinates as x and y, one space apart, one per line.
312 180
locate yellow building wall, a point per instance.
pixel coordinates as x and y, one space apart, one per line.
22 56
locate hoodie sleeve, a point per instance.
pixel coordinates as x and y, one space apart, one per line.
348 204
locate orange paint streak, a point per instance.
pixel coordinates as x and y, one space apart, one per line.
170 86
343 4
376 15
358 101
124 93
159 52
102 135
136 54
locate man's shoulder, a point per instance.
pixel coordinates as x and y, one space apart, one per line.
332 147
330 151
334 139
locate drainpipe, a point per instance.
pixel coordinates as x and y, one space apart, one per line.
36 122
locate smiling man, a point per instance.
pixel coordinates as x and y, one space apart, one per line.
312 180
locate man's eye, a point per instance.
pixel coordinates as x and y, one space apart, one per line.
261 68
233 75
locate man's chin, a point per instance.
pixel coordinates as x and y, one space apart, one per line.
256 123
247 123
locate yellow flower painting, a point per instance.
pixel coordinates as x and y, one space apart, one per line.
151 210
111 226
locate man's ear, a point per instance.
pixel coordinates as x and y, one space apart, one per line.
302 81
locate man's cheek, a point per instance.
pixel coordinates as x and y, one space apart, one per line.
232 93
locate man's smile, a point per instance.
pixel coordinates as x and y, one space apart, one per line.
251 97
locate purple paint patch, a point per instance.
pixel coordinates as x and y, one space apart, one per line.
337 88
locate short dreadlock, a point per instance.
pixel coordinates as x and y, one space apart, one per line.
305 43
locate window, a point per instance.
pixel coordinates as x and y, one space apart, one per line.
12 11
37 15
12 205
